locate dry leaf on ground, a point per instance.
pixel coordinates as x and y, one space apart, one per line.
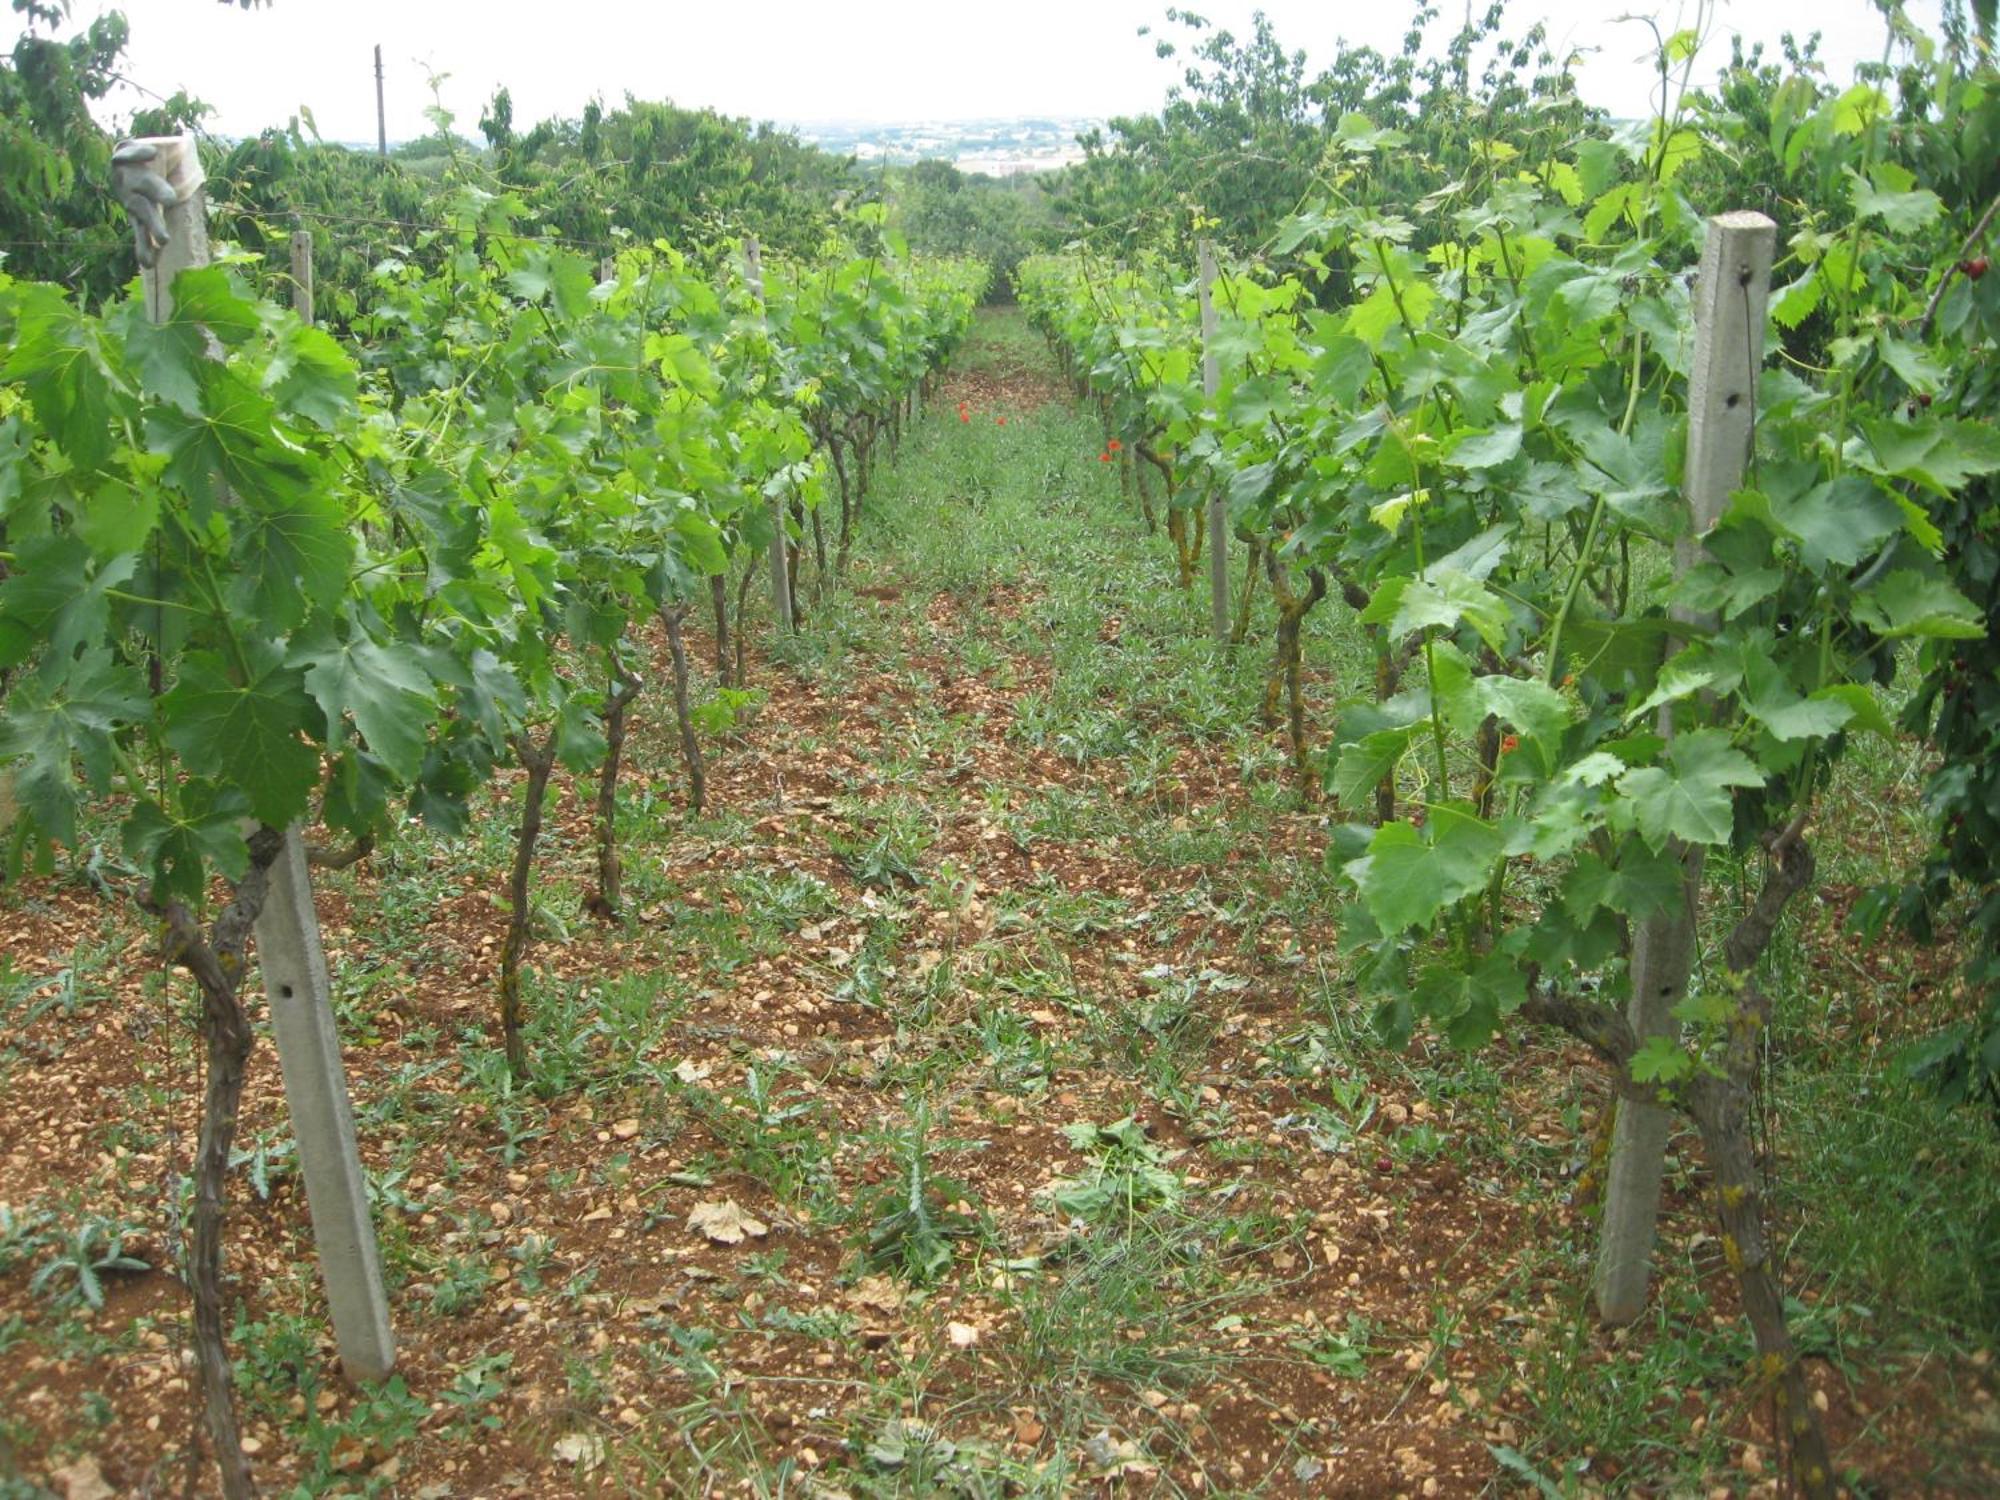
726 1222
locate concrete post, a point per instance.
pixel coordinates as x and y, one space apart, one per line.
781 578
1729 309
288 943
1218 503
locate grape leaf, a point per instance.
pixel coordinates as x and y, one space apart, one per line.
248 734
1661 1060
1407 877
1688 797
288 555
228 448
1364 762
1643 882
1469 1001
50 727
386 691
59 356
180 848
1910 603
54 598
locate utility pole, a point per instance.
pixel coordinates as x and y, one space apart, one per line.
381 114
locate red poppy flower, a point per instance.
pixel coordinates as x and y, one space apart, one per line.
1104 458
964 415
1002 421
1115 446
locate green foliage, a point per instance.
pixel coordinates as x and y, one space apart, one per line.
1246 136
1125 1174
78 1259
997 221
61 222
914 1215
1469 409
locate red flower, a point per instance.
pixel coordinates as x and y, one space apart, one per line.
1002 421
1104 458
964 415
1115 446
1510 742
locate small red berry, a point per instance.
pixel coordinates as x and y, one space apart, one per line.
1923 398
1383 1164
1975 266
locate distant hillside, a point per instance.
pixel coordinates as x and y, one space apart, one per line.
999 148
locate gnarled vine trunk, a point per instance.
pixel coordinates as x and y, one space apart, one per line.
215 960
672 617
718 598
1719 1104
604 902
538 760
1288 664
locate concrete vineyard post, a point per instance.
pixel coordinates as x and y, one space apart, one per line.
289 953
1729 310
302 274
781 582
1218 503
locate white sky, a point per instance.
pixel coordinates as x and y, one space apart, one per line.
803 60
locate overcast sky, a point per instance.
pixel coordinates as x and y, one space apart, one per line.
806 60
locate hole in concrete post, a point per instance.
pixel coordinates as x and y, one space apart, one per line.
1734 400
285 990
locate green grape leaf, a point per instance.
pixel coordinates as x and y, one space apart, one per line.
1792 305
1938 454
1534 708
204 299
1445 599
1661 1060
1894 199
1910 603
288 554
250 734
1342 368
1864 709
1643 882
49 727
1408 877
1364 762
167 357
116 518
1788 716
311 375
1710 588
386 691
580 742
1835 522
54 599
1688 797
1484 450
228 449
59 356
181 848
1469 1002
